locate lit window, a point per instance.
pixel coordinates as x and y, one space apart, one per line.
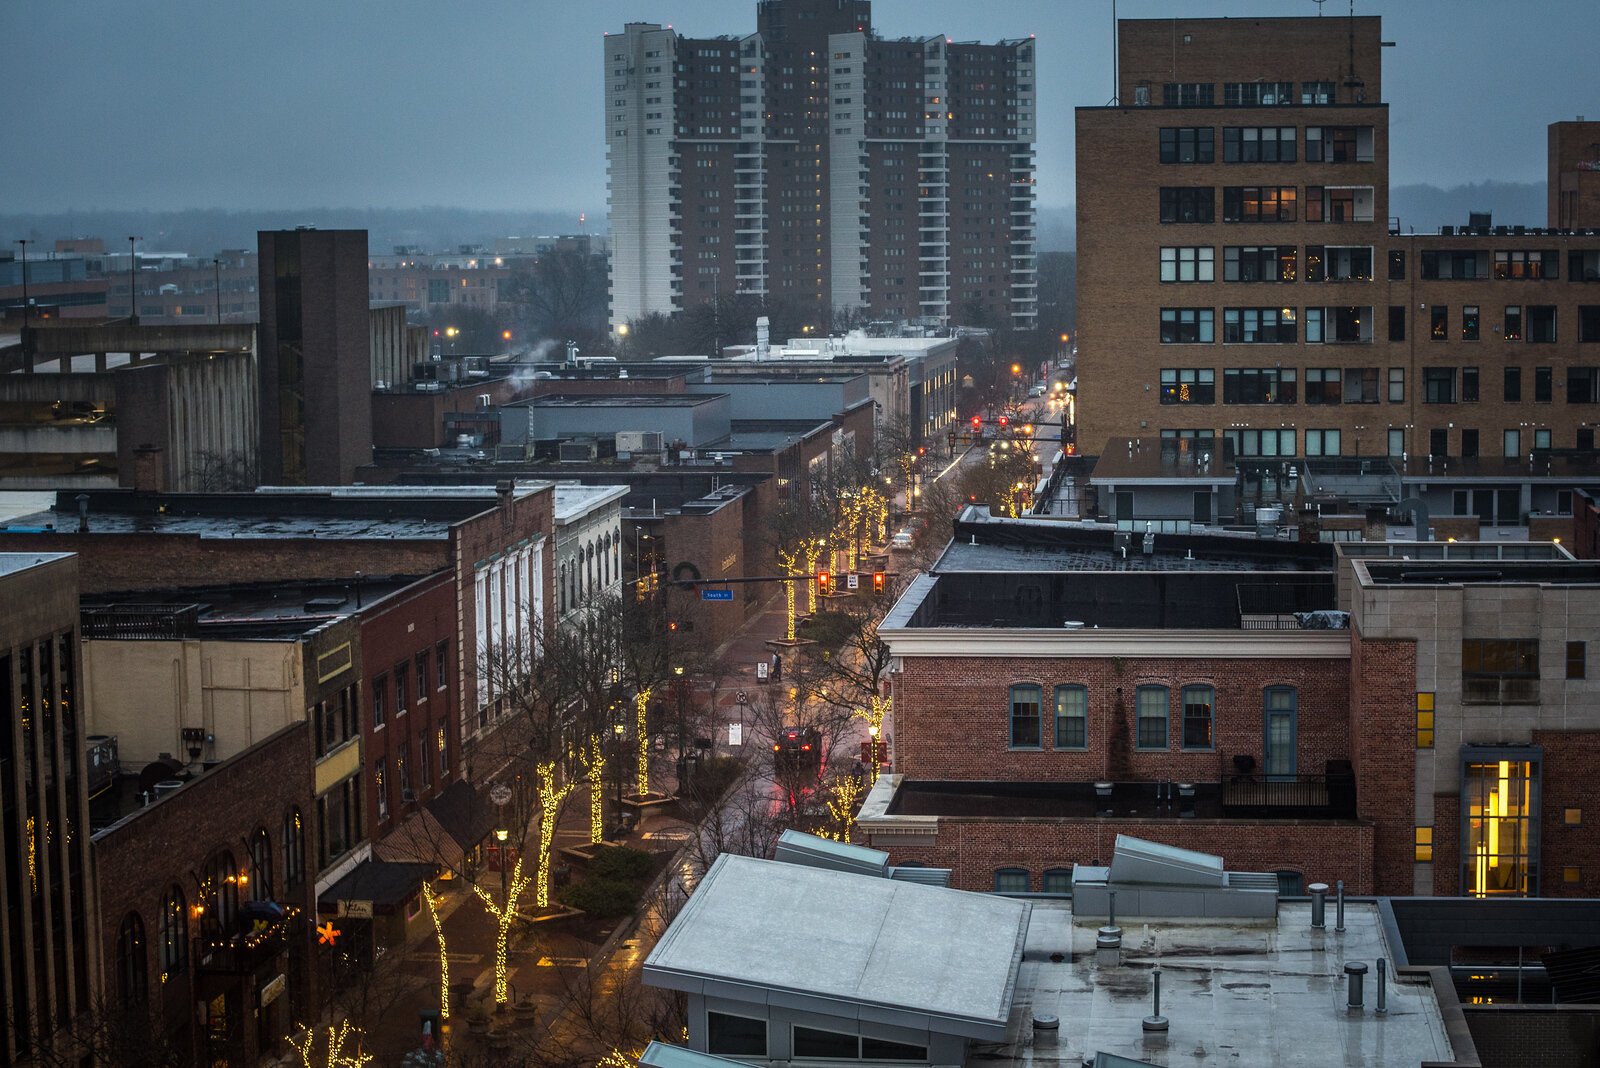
1424 845
1424 721
1572 817
1572 874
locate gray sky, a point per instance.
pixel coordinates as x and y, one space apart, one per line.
497 103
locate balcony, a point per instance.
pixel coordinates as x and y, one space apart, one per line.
258 936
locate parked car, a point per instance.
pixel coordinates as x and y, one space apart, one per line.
797 748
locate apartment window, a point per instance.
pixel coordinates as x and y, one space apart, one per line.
1258 144
1572 817
1513 384
422 675
1257 94
1188 204
1011 880
1258 263
1259 203
1584 439
1583 385
1188 95
1072 717
1438 442
442 744
1577 660
1198 702
1249 444
1324 385
441 680
401 702
1339 144
1259 326
1396 445
1526 265
1154 704
1469 385
738 1036
1511 327
1188 264
1469 322
1397 322
380 784
1438 385
1187 144
1342 326
174 932
1322 443
334 721
1183 326
1439 323
1499 671
1316 92
1583 266
1188 385
1025 705
1499 814
339 820
1543 384
1424 721
1397 385
1541 439
1424 840
424 765
1259 385
1361 385
380 690
1397 265
1541 324
1338 263
1455 264
1589 322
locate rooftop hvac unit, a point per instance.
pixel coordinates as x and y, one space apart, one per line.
640 441
579 450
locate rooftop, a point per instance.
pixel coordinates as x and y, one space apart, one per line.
574 500
275 610
11 563
1134 460
618 400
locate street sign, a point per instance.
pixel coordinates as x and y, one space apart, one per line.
761 672
852 581
736 734
708 594
500 794
356 910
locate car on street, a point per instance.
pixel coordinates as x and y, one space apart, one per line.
797 748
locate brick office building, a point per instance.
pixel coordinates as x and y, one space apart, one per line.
1245 286
1060 686
816 162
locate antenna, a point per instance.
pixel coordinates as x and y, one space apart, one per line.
1114 79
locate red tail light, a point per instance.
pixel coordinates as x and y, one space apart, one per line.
805 748
776 747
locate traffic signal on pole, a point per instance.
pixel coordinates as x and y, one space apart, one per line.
824 582
1005 420
977 422
922 450
879 581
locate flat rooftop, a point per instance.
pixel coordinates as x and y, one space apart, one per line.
574 499
274 610
11 563
618 400
1482 572
1238 995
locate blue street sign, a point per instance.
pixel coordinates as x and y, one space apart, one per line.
708 594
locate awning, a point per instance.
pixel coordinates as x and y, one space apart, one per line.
443 830
374 887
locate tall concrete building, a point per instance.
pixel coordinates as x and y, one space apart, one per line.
816 162
1244 286
315 356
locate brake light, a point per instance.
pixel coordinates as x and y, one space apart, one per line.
806 748
776 747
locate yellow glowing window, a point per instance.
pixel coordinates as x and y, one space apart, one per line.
1424 844
1424 721
1572 817
1572 874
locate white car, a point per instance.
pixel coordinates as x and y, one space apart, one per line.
901 540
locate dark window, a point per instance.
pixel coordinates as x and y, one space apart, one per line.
1259 326
1258 263
1257 94
736 1035
1187 144
1057 881
1289 884
1025 702
1589 322
294 849
1339 144
1259 385
1188 95
1469 443
1438 385
1577 660
174 932
1188 204
1438 442
1198 702
334 720
380 691
1072 717
1513 384
1258 144
1585 438
1469 322
1499 671
1188 385
439 665
1543 379
401 701
1361 385
1541 324
1583 385
1397 265
1583 266
1154 706
259 887
881 1049
830 1045
1511 329
132 974
1469 385
1011 880
1324 385
1182 326
422 675
1397 322
1259 203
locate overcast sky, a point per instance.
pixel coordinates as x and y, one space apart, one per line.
497 103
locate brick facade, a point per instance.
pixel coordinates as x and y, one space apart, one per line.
1570 760
1383 727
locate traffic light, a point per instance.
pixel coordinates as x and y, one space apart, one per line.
879 581
1005 420
824 582
922 450
977 422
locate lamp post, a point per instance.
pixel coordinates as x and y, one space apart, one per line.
24 243
617 731
500 835
133 297
216 272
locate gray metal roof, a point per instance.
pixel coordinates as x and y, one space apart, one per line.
906 954
796 847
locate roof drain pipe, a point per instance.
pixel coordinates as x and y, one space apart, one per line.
1413 507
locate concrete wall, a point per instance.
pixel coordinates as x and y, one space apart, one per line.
697 424
767 399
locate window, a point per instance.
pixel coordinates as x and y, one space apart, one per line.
1589 323
1511 445
1439 323
1259 203
1198 702
441 678
1324 385
1424 843
812 1042
1337 204
1316 93
1424 721
1397 265
1187 144
1258 263
401 671
1072 717
339 820
1338 326
1187 326
1257 94
1438 442
1541 324
1499 671
1397 322
1361 385
1469 385
1188 204
1525 265
440 742
174 932
1511 328
1397 385
1187 95
422 675
1499 814
1154 703
1455 265
380 785
1057 881
1259 385
1338 263
334 721
380 690
1188 264
1259 326
1583 266
1577 655
1025 702
1253 443
1322 443
1571 873
1258 144
1583 385
1011 880
1339 144
132 978
1543 377
735 1035
260 882
219 885
1396 445
424 765
1572 817
1188 385
1513 384
294 854
1290 883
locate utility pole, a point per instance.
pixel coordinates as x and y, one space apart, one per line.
133 297
216 271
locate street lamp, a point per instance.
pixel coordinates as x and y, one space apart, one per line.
23 241
500 835
216 273
617 732
133 298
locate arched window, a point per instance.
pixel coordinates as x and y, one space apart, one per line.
1058 880
174 932
294 849
260 885
1290 884
131 964
219 893
1011 880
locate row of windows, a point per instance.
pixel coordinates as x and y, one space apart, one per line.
1238 94
1366 385
399 696
1252 444
1263 326
746 1036
1266 144
1265 203
1059 881
1153 708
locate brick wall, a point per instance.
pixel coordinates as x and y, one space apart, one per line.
1570 760
1534 1036
953 716
1383 726
974 848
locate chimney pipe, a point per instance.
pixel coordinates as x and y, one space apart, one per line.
1155 1021
1319 905
83 513
1354 973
